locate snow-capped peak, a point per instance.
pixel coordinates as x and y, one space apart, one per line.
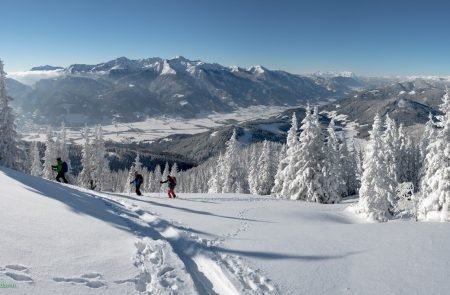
234 69
166 69
258 69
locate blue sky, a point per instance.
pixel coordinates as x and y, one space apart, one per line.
376 37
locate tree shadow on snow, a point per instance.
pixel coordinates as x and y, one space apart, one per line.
113 213
193 211
122 218
278 256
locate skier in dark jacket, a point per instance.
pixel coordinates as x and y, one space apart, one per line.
138 180
60 168
172 182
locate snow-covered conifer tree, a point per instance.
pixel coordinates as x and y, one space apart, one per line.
435 188
165 171
36 164
349 167
265 176
118 180
216 182
64 148
390 147
333 173
49 156
373 195
406 158
145 176
428 136
101 171
253 171
174 170
85 178
9 150
284 173
158 177
230 165
307 163
150 182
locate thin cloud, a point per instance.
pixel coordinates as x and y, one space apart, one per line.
31 77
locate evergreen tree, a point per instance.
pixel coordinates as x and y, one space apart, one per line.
9 143
101 171
284 173
230 166
36 164
157 178
406 158
427 138
390 147
349 168
333 173
119 179
145 177
152 182
165 171
373 195
64 148
253 171
85 178
157 172
265 177
435 188
63 151
49 156
174 170
216 182
308 163
402 158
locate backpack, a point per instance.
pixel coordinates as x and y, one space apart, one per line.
139 179
174 179
65 168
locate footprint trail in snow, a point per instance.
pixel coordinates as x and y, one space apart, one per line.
91 280
17 272
211 272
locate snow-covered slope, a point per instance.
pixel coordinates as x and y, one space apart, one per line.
58 239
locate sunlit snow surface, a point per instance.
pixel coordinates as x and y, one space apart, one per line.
60 239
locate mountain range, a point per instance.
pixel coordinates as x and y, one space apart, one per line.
125 90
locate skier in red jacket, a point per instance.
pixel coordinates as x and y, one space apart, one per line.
172 182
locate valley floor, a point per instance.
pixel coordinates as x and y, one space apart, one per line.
59 239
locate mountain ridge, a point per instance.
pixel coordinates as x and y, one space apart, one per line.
126 90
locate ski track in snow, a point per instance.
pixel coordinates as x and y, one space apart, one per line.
171 261
17 272
160 269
